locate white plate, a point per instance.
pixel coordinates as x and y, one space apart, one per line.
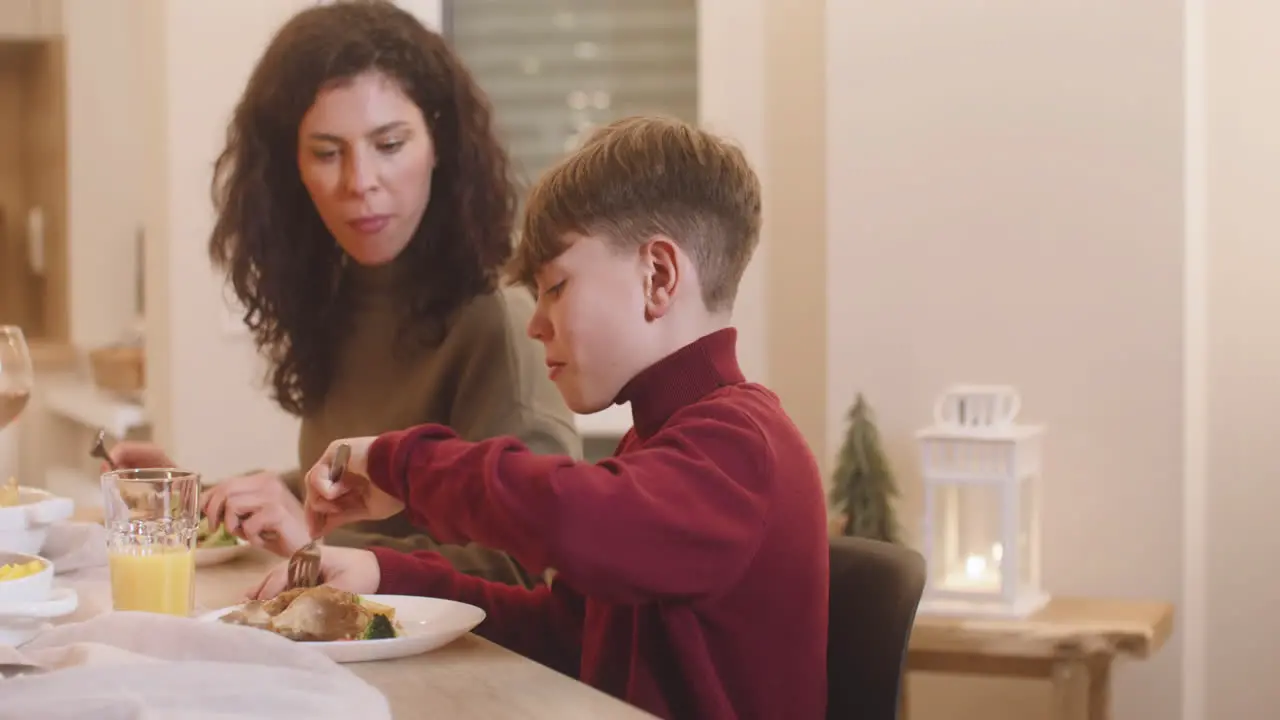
19 622
426 624
219 555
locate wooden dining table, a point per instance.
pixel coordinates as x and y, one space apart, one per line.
469 679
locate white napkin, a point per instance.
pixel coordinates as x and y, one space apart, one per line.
140 666
75 546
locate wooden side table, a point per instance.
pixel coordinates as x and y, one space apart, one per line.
1071 642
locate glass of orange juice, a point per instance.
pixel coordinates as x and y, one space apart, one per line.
151 516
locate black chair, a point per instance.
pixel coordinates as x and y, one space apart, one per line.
875 590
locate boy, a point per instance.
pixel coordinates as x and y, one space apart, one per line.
692 566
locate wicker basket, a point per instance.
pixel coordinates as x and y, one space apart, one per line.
119 370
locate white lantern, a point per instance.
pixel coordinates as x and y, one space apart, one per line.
981 506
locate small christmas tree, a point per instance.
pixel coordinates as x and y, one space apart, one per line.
863 487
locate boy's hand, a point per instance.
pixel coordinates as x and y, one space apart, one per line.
352 498
349 569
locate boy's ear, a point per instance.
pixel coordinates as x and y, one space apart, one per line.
663 266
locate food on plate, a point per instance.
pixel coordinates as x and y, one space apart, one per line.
318 614
10 493
17 571
217 538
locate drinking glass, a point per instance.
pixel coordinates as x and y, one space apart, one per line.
151 517
17 377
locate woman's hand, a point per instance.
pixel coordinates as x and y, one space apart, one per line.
259 508
349 569
352 498
129 455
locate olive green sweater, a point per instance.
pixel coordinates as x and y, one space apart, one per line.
484 378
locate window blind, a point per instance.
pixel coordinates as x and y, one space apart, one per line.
557 69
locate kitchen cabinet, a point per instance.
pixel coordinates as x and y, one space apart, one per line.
33 187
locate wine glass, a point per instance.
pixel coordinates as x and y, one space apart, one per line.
17 376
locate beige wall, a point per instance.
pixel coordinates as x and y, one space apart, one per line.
1005 206
732 101
796 82
1242 124
1098 228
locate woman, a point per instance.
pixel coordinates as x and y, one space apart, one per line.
364 202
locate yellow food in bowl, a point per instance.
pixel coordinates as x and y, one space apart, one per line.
17 571
10 494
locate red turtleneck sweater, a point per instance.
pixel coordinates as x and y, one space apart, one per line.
691 567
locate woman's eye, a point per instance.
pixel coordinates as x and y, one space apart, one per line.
324 154
390 147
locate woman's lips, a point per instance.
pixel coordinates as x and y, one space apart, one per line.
370 224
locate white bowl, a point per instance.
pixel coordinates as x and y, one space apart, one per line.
30 589
25 526
27 604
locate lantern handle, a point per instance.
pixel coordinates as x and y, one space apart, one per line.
977 406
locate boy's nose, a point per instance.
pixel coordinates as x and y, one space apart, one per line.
538 327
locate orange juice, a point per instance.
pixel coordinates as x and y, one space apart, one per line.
153 579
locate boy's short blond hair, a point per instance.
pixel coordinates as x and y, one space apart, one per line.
645 176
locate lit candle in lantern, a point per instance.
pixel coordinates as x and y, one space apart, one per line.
980 572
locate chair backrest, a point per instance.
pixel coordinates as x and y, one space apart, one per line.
875 590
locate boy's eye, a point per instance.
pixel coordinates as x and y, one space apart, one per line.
555 290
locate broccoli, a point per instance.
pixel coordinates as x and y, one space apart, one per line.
379 628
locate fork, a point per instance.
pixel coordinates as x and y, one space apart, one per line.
100 451
304 565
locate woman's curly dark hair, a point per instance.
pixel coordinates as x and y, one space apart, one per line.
281 261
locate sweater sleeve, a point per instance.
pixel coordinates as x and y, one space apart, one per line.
544 624
468 559
680 517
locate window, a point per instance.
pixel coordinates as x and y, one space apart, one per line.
557 69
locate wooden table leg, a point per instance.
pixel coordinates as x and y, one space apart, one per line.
1099 688
1068 689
